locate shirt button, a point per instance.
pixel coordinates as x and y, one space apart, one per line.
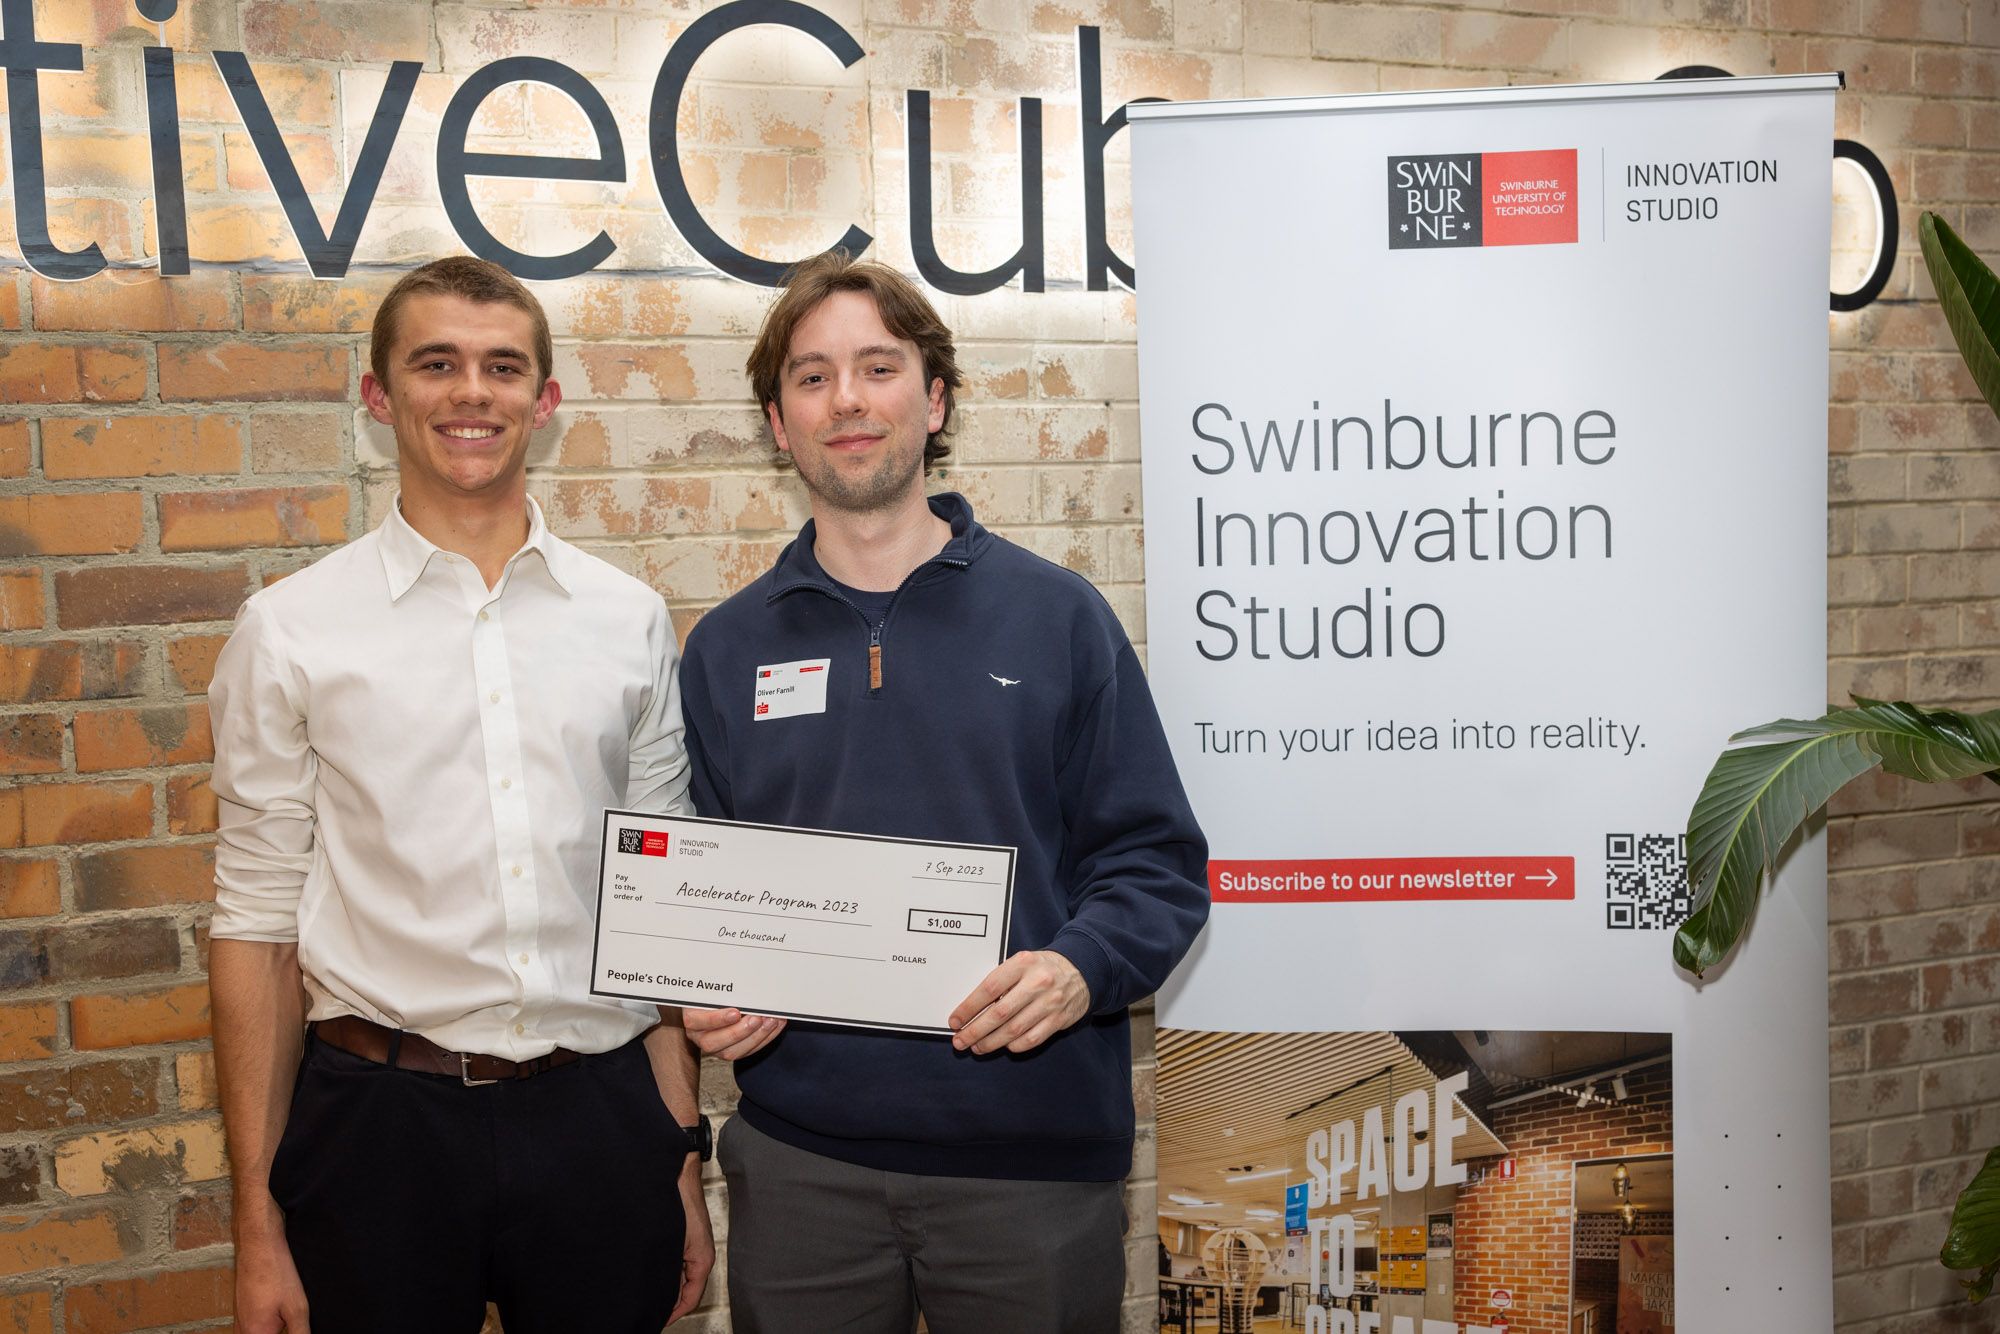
494 697
524 958
484 617
517 870
520 1028
506 783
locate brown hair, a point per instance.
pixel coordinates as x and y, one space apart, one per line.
905 312
472 279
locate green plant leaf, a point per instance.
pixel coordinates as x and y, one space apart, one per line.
1756 797
1970 295
1974 1239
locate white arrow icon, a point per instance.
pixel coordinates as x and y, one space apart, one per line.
1546 877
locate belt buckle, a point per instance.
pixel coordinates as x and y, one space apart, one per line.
465 1072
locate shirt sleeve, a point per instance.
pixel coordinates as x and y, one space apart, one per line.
1137 861
265 772
657 780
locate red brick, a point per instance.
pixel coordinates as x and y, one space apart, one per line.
20 1178
70 669
21 600
142 738
296 304
313 156
296 94
29 887
29 1243
76 525
72 373
174 1298
149 594
300 441
46 1097
31 743
137 300
300 516
16 451
172 1014
343 30
145 877
27 1312
143 446
67 953
191 805
128 1159
27 1032
191 658
253 372
201 1220
37 815
194 1080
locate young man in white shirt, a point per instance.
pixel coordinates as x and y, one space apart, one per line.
415 738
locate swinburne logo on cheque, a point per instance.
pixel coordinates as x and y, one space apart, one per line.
1482 199
644 842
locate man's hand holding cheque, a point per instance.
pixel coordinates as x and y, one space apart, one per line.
1021 1004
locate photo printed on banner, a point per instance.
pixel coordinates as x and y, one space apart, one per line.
1386 1181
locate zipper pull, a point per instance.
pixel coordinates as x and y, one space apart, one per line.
875 658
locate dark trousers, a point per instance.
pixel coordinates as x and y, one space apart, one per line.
412 1200
821 1246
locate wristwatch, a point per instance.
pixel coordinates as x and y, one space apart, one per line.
701 1138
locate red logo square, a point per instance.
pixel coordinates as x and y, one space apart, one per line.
1530 197
654 844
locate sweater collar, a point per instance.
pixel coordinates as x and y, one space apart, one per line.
798 564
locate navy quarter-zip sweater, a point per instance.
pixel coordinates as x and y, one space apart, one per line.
1066 763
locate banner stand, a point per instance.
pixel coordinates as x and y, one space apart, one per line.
1485 492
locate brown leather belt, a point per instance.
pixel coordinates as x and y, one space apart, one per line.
407 1051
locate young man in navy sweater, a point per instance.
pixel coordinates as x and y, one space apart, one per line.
976 694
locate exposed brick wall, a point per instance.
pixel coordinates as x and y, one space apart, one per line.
165 447
1516 1234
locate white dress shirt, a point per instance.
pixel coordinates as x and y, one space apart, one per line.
412 768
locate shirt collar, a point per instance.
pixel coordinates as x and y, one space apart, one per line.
406 552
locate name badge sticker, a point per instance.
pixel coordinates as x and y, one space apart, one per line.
789 689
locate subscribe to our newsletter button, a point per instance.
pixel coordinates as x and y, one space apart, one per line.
1391 879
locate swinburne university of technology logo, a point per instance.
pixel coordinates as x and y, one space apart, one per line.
1482 199
645 842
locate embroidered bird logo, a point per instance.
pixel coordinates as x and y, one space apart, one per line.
1004 682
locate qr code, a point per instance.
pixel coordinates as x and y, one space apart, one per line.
631 840
1646 881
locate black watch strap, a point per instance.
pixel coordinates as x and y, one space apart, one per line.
701 1137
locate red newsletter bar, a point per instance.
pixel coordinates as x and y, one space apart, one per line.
1392 879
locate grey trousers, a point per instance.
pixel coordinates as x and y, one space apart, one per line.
818 1246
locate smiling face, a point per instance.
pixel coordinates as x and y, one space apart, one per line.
461 396
853 407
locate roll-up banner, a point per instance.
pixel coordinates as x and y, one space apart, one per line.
1485 486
